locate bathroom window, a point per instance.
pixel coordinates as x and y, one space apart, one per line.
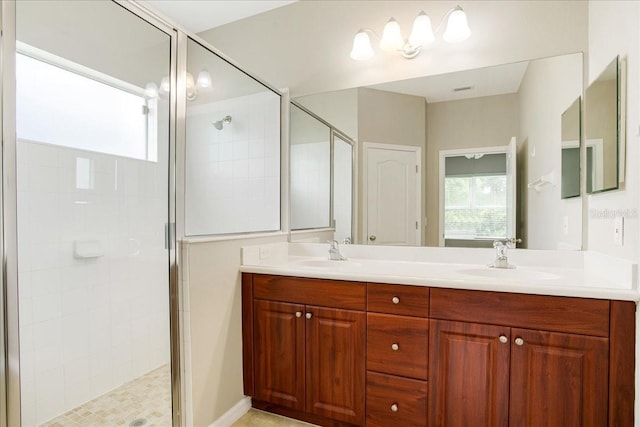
475 207
60 103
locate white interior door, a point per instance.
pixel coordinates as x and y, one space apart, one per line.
511 188
392 196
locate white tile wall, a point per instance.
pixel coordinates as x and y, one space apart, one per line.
233 174
88 325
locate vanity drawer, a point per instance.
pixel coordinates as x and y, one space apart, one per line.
547 313
394 401
327 293
398 299
397 345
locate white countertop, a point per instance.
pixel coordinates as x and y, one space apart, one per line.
559 273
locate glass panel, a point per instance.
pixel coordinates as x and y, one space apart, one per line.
233 149
342 189
310 171
93 268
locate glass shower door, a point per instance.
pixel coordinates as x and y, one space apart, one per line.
93 162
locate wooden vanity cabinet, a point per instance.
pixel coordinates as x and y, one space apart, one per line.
397 355
307 347
513 371
316 349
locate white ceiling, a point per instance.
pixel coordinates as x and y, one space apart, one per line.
200 15
488 81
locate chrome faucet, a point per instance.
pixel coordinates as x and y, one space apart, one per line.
334 251
501 246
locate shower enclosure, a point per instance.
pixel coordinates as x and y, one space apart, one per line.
89 265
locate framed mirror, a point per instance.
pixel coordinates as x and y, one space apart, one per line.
603 130
570 140
470 111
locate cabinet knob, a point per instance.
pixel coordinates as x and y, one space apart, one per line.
395 300
503 339
394 407
298 314
395 346
519 341
372 237
308 315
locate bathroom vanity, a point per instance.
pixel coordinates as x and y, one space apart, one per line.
348 352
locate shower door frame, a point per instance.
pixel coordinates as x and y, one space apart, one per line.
10 413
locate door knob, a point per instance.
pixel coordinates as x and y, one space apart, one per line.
308 315
372 237
298 314
503 339
519 341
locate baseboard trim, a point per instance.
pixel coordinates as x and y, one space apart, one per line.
233 414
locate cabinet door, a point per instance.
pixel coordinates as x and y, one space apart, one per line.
468 374
335 363
279 353
558 379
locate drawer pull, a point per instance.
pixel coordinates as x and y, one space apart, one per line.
298 314
308 315
395 346
503 339
395 300
519 341
394 407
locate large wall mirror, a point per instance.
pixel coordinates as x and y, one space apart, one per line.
603 138
474 114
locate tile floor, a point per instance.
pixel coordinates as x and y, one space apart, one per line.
143 402
255 418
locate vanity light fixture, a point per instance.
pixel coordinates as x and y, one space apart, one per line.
202 82
422 34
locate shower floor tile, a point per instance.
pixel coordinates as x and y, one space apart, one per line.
143 402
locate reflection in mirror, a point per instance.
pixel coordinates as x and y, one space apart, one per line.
571 129
310 171
475 199
467 111
232 173
342 187
602 104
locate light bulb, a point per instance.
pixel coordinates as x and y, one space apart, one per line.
204 79
164 85
151 90
192 92
362 49
457 27
391 36
422 33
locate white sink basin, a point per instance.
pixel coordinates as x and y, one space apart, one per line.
509 273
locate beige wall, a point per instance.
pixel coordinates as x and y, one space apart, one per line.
339 108
548 88
212 335
473 123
